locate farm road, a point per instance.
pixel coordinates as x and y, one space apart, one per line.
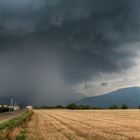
9 115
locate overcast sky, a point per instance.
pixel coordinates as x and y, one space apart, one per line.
52 49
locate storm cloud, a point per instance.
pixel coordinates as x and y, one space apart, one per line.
48 46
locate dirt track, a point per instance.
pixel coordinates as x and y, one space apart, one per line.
84 125
9 115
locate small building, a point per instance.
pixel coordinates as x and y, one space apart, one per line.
6 106
29 107
15 108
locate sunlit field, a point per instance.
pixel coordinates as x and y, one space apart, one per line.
84 125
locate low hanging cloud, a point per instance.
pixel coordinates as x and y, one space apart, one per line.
103 84
45 43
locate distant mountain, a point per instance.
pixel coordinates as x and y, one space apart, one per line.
4 100
74 98
78 96
129 96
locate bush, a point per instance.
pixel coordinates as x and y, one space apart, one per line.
139 107
124 106
114 107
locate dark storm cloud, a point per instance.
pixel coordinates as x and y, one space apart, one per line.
82 38
29 15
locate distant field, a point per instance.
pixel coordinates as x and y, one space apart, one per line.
84 125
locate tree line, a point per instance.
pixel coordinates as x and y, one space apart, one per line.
4 108
75 106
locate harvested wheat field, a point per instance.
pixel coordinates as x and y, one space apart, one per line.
84 125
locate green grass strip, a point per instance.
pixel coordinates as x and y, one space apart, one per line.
21 135
15 122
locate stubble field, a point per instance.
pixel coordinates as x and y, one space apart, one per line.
84 125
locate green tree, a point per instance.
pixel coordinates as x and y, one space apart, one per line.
84 107
114 107
124 106
4 109
72 106
59 107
